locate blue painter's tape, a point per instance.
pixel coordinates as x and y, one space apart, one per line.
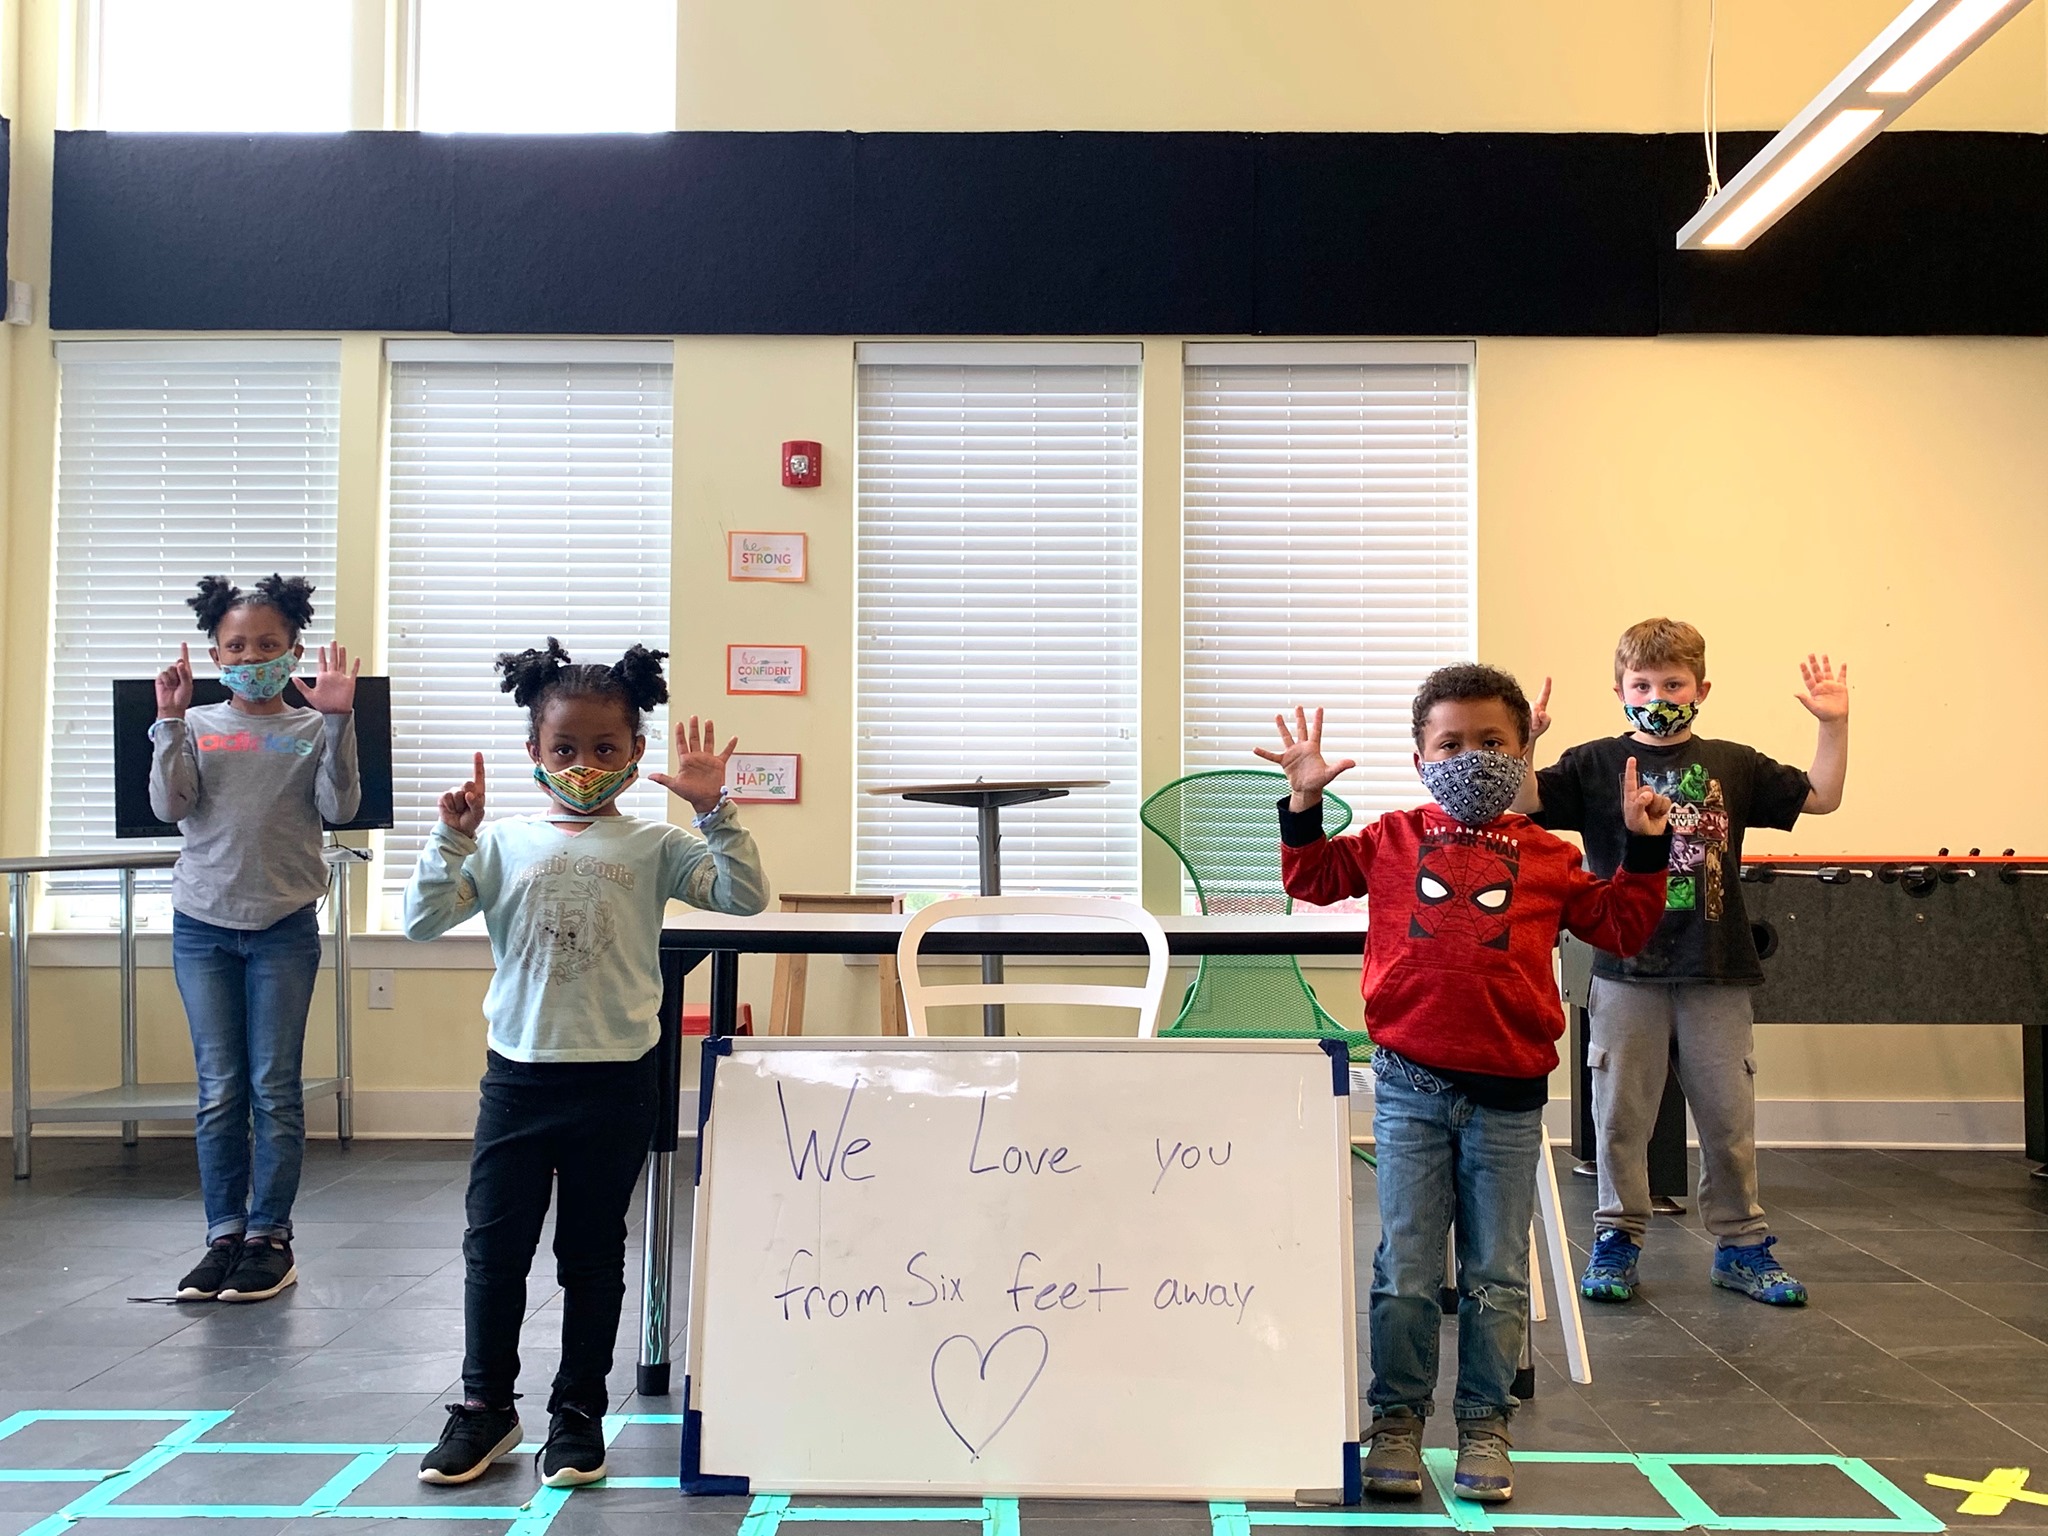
690 1477
715 1046
1340 1066
1354 1473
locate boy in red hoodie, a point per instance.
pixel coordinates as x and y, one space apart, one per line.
1462 1004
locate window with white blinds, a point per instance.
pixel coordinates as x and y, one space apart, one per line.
174 461
1327 533
529 497
997 610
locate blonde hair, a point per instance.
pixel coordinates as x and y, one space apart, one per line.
1658 643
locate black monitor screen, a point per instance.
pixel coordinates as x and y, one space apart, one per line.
135 709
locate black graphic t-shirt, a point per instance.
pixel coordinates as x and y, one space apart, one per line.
1718 790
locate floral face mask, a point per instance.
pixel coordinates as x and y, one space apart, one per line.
260 680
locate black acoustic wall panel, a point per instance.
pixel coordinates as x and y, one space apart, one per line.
1920 234
1060 233
1052 233
282 231
1487 234
694 233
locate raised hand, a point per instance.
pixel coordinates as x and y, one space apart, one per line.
174 687
1301 758
699 775
463 806
1539 714
333 688
1645 812
1826 694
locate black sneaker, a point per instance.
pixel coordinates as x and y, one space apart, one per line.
472 1440
262 1269
210 1273
574 1453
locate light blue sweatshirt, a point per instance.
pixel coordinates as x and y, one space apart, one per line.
575 920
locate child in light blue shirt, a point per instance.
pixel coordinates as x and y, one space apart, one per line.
573 901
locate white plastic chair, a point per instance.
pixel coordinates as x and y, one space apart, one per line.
917 997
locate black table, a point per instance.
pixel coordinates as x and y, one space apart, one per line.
986 798
690 939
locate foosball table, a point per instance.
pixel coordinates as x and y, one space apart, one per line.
1940 939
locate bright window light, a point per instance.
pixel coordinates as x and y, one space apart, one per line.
1812 159
249 66
1943 39
539 66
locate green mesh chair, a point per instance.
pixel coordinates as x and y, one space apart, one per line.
1222 828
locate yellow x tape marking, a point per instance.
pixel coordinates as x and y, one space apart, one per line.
1992 1495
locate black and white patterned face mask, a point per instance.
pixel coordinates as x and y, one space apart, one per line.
1475 787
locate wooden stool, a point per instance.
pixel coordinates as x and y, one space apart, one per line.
786 1007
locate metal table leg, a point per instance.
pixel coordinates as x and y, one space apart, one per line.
989 837
130 1129
658 1239
344 1044
17 889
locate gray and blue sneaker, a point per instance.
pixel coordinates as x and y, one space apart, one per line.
1485 1473
1752 1271
1611 1272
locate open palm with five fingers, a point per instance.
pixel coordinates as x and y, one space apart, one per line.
699 775
463 806
1301 758
174 687
1826 694
332 690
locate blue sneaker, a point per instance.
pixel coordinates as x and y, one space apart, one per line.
1611 1273
1752 1271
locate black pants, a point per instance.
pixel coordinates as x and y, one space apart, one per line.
586 1125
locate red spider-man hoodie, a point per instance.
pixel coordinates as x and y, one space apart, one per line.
1463 921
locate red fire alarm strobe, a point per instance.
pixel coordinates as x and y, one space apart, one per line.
800 464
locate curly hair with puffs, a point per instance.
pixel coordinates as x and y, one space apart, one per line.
535 679
290 596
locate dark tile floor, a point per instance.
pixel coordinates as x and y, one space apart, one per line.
1926 1350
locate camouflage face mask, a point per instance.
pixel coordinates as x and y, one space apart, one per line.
1661 718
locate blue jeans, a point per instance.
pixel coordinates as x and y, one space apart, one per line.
246 994
1442 1159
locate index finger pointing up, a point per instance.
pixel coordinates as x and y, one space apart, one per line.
479 780
1629 780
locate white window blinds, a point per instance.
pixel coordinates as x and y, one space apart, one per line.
997 610
174 461
529 497
1327 535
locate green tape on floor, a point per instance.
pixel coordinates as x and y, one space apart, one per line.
768 1513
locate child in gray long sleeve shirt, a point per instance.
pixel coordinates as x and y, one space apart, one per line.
248 782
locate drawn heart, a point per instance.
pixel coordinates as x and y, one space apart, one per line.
972 1387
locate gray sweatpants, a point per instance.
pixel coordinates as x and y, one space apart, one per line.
1633 1028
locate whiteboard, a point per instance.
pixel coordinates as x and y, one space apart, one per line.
1062 1268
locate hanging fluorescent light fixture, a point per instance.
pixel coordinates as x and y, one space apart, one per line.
1923 43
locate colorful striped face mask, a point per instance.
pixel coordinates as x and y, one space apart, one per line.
586 790
260 680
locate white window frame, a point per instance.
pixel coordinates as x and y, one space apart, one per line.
511 791
1367 708
923 850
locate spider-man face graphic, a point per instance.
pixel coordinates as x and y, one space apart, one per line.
1465 888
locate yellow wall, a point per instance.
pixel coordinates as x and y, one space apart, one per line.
1880 499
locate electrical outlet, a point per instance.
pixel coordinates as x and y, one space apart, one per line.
383 987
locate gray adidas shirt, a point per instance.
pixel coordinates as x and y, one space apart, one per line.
249 793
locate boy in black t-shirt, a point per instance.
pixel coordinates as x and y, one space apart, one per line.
1687 993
